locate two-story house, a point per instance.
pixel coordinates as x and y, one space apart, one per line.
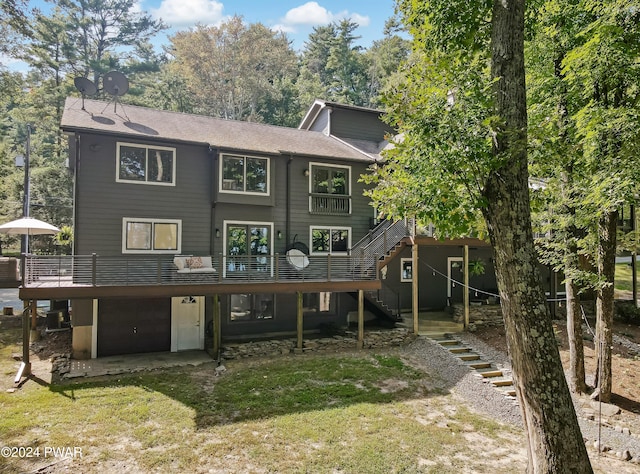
190 228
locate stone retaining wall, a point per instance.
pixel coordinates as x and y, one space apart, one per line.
347 341
479 315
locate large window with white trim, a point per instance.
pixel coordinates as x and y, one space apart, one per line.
145 164
248 247
330 240
244 174
141 235
329 189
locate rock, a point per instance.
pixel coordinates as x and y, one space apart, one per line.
11 390
607 409
625 455
16 356
626 431
221 369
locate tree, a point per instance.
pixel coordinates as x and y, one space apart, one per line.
334 68
556 159
105 35
589 87
463 118
236 71
602 70
384 58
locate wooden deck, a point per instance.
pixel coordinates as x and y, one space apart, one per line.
107 277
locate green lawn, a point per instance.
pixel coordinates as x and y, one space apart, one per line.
623 277
349 413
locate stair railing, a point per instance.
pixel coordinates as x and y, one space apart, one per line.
380 241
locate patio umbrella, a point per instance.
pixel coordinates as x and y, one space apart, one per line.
28 226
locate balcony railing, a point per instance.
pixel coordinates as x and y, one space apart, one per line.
97 270
330 204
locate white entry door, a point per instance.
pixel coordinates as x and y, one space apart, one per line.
187 323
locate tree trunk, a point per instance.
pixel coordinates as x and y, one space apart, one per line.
554 439
607 228
574 334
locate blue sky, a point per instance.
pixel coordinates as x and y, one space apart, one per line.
296 18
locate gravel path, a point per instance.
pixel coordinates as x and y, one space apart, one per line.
485 398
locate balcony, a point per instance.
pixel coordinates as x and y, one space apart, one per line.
94 275
330 204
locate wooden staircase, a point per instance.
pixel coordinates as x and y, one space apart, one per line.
483 368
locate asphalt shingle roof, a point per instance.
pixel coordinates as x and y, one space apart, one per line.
134 121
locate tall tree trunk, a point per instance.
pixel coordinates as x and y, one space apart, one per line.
574 334
607 228
554 440
574 311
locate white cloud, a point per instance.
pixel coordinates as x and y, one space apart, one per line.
185 13
311 14
308 14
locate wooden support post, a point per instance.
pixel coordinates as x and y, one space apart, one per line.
466 286
300 321
360 319
414 287
34 315
25 366
216 326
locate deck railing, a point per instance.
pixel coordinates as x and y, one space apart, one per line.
98 270
330 204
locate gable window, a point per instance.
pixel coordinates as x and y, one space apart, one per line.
326 240
244 174
329 189
151 235
145 164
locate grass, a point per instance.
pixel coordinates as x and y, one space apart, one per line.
623 280
355 412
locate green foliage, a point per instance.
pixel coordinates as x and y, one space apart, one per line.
437 167
628 313
236 71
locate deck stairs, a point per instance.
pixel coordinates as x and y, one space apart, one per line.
381 245
474 360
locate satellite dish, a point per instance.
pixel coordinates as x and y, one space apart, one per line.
85 86
115 83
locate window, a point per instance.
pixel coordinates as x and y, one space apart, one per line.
248 247
145 164
406 269
318 302
330 240
244 174
251 307
329 189
151 235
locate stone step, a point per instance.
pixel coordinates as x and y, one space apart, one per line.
508 391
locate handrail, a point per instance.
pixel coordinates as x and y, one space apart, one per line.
128 270
388 236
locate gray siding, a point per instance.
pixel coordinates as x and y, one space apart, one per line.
301 219
101 202
432 292
358 125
